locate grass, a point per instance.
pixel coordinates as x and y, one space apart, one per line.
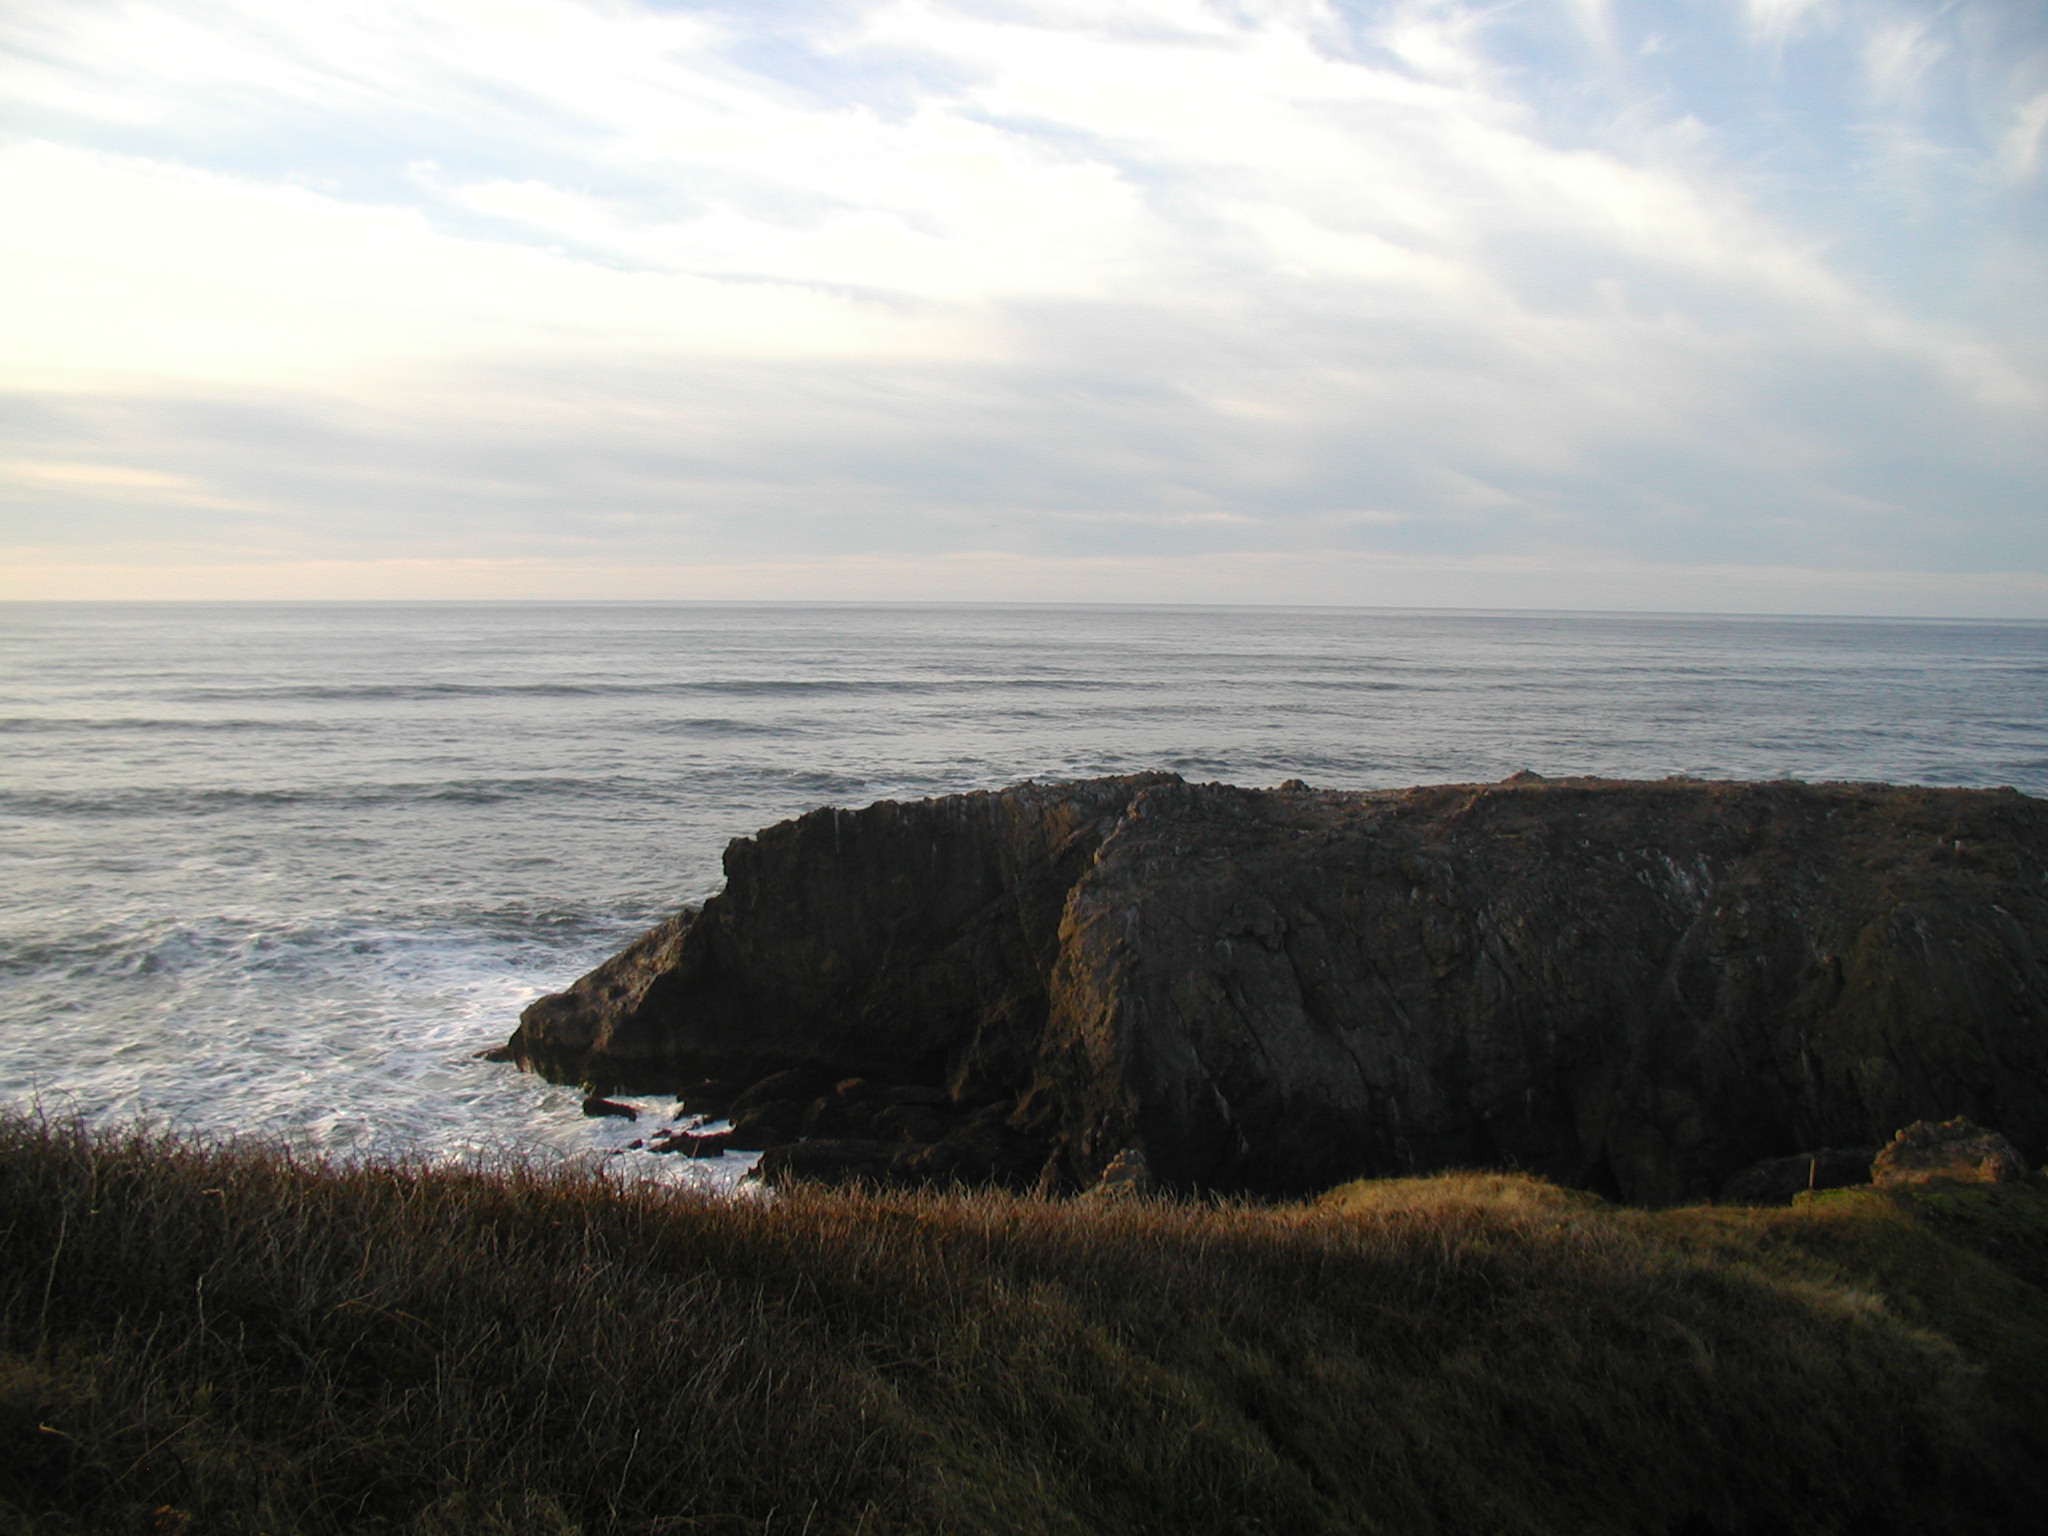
199 1339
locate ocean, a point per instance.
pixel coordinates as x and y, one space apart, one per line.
281 870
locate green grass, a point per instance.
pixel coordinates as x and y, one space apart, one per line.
200 1339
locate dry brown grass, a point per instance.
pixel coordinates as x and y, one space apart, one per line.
219 1340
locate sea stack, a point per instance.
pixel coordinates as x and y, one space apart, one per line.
1635 988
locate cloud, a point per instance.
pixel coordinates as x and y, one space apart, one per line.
2021 150
950 286
1774 22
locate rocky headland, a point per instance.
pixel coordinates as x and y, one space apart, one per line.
1641 989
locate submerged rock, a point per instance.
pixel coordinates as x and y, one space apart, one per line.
1637 988
1955 1151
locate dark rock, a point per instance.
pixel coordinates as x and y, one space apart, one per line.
908 943
710 1097
911 1122
767 1125
1776 1180
935 1098
690 1144
597 1107
829 1161
1954 1151
835 1117
796 1084
1635 988
982 1148
567 1036
1012 1163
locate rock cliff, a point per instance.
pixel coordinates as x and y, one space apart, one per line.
1638 988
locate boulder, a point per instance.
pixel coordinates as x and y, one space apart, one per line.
690 1144
597 1107
1952 1151
767 1125
1634 988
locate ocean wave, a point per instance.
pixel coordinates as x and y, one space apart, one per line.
728 727
190 800
247 946
331 693
66 724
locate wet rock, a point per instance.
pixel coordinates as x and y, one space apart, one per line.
1776 1180
1640 989
767 1125
710 1097
1953 1151
598 1107
691 1144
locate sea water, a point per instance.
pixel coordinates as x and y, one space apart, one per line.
282 870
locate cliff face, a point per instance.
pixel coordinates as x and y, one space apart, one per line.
909 942
1637 988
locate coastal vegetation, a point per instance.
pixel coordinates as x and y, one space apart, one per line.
201 1338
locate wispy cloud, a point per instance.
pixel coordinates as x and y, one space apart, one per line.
948 286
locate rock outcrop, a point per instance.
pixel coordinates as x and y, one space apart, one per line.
1637 988
1951 1152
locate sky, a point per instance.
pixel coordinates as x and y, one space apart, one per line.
1692 305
